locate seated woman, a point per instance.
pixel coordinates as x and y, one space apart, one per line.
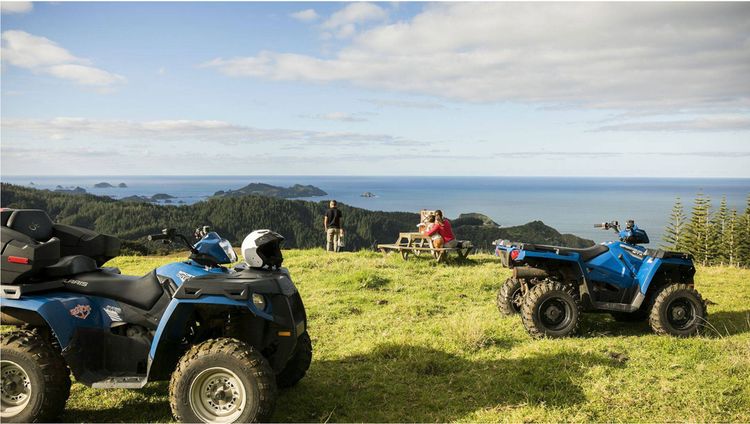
426 227
441 228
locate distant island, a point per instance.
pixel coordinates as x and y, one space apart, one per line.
261 189
70 190
108 185
367 194
156 198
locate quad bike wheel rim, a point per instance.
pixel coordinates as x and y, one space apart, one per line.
217 395
16 389
516 299
681 313
555 314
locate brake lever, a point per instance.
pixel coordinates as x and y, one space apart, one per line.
187 243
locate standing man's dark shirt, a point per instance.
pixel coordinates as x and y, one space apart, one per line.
333 218
332 224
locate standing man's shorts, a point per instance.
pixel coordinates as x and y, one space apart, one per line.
332 239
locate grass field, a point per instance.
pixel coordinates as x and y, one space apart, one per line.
416 341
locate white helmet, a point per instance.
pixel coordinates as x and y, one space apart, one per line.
262 248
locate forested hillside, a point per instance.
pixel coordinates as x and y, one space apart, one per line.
234 217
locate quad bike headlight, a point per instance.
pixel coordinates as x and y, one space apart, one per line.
259 301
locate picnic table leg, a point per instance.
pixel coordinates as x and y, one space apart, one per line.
414 244
417 252
441 256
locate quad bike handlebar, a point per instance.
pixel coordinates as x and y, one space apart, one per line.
169 235
607 225
631 234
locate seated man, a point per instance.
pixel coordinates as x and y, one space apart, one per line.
442 228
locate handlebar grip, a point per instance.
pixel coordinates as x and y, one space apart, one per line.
156 237
599 225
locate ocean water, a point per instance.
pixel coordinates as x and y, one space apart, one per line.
571 205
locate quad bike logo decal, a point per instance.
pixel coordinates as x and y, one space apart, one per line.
76 282
33 226
183 276
113 313
81 311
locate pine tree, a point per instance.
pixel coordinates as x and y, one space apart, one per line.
700 238
674 234
719 231
730 239
743 242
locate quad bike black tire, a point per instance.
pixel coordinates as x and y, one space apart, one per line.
678 310
222 380
298 364
510 297
35 378
551 309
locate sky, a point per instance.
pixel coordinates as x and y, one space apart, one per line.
465 89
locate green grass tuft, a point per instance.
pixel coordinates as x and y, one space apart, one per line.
367 279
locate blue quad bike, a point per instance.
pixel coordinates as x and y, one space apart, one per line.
552 285
224 338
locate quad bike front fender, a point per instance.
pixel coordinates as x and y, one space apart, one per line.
681 270
176 318
178 311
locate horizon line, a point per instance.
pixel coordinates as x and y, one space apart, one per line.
373 176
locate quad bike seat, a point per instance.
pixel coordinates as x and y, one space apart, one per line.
35 247
586 253
69 265
141 292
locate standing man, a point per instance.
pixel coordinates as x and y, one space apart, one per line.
334 226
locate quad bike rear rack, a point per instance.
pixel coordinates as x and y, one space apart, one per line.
15 291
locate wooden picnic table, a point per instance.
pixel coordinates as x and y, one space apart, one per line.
417 243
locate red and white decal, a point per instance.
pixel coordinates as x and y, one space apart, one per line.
81 311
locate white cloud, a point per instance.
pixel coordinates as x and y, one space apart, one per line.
711 124
29 51
84 75
621 56
344 22
16 6
610 154
307 15
413 104
339 116
42 55
183 130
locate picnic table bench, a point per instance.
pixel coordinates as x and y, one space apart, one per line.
418 243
